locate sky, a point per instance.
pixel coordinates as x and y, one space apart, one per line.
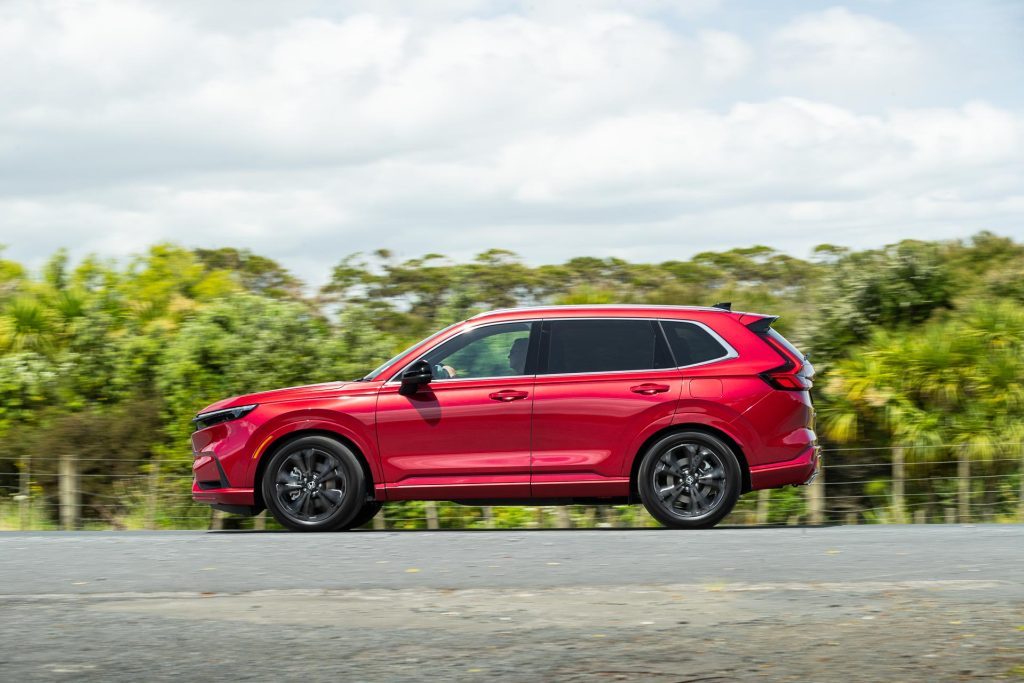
644 129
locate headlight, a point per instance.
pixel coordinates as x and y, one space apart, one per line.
204 420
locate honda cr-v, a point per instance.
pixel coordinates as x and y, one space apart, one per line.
682 409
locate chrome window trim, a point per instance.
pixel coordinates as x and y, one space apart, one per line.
730 352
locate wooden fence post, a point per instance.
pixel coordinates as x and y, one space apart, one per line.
70 493
963 484
24 488
764 497
154 493
380 520
430 508
1021 473
816 499
899 476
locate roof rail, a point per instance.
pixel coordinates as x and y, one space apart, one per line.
579 306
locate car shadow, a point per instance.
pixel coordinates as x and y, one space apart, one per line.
723 528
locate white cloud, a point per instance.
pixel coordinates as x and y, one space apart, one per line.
840 54
640 129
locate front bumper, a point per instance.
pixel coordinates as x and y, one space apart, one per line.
210 485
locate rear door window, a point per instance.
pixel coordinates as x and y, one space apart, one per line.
692 344
577 346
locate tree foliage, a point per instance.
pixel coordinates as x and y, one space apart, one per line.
918 343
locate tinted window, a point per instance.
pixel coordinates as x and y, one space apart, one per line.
605 345
692 343
489 351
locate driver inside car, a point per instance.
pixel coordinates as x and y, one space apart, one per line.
516 361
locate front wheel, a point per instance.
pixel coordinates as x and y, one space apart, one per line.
689 480
314 484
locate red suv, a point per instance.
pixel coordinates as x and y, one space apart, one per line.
680 408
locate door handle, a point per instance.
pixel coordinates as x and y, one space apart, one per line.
507 395
648 389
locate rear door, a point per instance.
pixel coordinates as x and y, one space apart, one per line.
603 384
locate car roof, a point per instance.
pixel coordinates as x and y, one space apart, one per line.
601 310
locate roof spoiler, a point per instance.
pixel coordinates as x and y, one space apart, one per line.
762 325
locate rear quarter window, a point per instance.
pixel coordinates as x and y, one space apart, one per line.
691 343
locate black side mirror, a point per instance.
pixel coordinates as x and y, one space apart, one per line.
418 373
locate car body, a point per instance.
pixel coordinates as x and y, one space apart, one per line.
585 393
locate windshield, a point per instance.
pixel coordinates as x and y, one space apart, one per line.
381 368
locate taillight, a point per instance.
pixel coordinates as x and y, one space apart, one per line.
786 382
789 376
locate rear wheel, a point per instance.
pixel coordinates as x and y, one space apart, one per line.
689 480
314 484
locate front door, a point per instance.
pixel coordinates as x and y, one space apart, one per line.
602 385
466 434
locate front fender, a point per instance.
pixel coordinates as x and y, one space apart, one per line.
358 432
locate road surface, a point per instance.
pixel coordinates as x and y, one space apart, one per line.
839 603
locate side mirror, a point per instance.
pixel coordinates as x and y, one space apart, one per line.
418 373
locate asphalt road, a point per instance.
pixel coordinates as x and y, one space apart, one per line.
840 603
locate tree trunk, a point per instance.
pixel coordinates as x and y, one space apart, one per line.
564 521
259 522
70 493
899 477
963 473
488 514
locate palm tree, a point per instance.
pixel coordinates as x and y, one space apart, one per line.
955 386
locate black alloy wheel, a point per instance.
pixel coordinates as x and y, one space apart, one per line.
689 480
314 483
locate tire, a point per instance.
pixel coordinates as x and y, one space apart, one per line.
369 511
689 480
314 483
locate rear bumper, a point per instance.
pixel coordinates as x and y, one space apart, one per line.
223 496
800 470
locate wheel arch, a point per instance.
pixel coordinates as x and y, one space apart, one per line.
284 439
634 493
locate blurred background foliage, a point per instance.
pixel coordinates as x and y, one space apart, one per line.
917 344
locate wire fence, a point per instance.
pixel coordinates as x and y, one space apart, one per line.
856 486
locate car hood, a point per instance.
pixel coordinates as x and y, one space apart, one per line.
286 394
